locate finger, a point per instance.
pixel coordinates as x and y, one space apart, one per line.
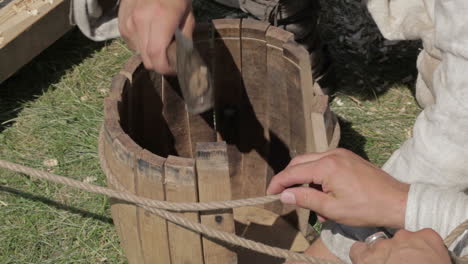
402 235
304 173
129 38
142 21
162 32
357 251
308 198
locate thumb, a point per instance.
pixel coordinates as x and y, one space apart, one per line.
357 251
308 198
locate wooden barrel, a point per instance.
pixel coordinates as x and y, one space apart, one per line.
268 110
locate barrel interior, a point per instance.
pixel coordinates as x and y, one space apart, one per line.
260 103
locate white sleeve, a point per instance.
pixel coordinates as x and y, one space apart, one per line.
435 160
95 23
431 207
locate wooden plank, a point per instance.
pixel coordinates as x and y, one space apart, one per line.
27 27
253 111
227 78
319 128
122 165
214 185
227 73
177 118
278 110
298 116
112 130
269 228
153 229
185 245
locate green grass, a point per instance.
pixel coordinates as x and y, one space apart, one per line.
52 110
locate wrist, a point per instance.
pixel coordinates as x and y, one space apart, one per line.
397 206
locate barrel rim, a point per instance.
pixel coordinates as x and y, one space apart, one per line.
272 35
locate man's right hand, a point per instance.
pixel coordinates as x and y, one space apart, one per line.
148 26
354 191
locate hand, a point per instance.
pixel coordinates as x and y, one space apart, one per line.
422 247
148 26
354 192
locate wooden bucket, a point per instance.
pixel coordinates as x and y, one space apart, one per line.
268 110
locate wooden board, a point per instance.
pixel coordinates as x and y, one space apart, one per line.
177 118
253 111
27 27
267 227
299 116
214 185
278 108
122 164
152 228
228 82
185 246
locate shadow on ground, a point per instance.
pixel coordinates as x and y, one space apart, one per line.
351 139
41 73
57 205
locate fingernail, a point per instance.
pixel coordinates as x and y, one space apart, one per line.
288 198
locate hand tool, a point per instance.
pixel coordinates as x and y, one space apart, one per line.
193 74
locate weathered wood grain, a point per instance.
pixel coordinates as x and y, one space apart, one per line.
27 27
122 164
181 186
253 112
152 228
214 185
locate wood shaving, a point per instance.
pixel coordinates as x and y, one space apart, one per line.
89 179
33 12
103 91
50 162
339 102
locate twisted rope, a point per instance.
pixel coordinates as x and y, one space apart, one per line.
128 197
457 232
159 208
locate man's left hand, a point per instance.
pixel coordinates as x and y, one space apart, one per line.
422 247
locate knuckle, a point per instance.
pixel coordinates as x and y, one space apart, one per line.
140 16
402 235
155 52
147 63
430 234
331 161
